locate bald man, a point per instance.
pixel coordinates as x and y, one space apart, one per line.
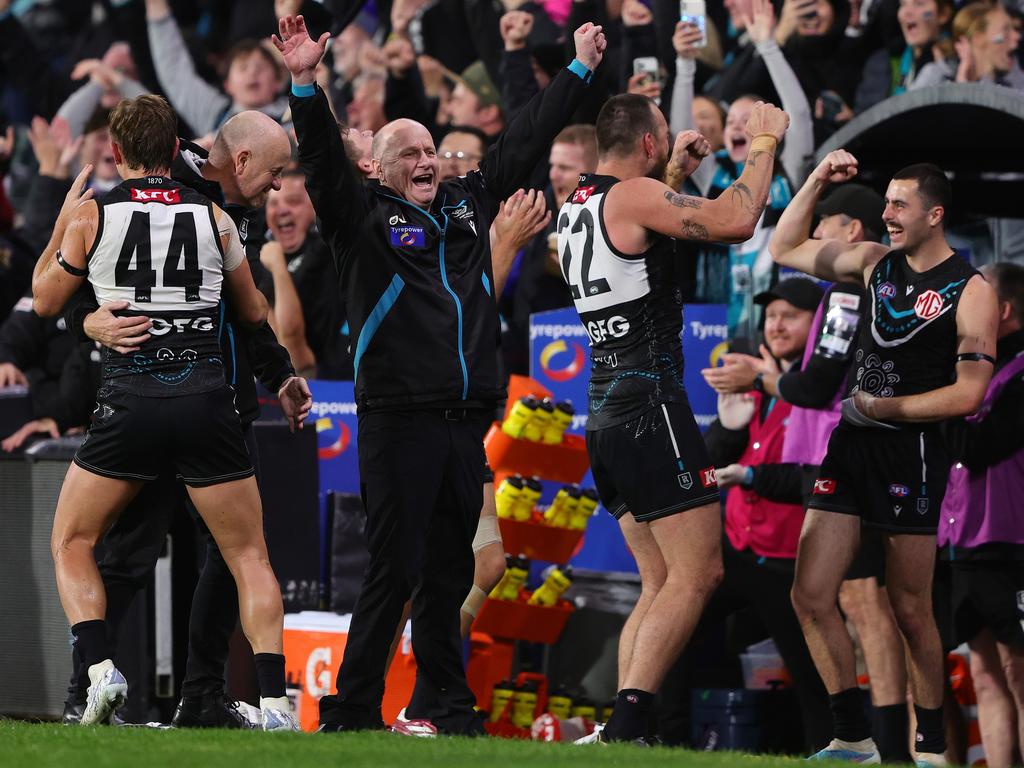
245 163
414 261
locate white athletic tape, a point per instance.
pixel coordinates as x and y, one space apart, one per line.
487 533
474 602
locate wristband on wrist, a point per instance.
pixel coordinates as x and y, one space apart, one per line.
764 142
748 477
758 385
303 91
581 70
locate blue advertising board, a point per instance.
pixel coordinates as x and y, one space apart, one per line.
560 361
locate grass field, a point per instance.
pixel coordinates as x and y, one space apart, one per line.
31 745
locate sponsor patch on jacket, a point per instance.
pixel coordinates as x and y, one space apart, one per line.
898 491
582 194
824 487
408 236
886 291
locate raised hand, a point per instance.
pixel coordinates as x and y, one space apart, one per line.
301 53
685 40
636 14
400 56
767 119
837 167
590 45
688 151
644 85
760 22
53 146
515 28
735 411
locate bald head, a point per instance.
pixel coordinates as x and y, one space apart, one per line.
405 160
256 150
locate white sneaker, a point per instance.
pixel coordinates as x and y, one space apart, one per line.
277 715
254 715
863 752
930 760
423 729
108 691
594 737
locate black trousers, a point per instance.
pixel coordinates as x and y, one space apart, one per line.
421 477
131 549
763 586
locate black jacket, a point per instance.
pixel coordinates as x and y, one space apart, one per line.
417 284
246 353
38 346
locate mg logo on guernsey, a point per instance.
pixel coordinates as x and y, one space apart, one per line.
568 370
156 195
928 305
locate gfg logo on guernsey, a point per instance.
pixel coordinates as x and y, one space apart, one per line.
614 327
568 370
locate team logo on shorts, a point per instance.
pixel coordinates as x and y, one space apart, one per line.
685 481
824 487
922 506
898 491
708 478
886 291
928 305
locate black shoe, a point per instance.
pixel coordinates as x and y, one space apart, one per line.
209 712
349 727
73 710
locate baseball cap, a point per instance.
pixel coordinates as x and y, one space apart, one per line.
801 292
857 202
476 79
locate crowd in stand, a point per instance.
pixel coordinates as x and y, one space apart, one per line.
464 68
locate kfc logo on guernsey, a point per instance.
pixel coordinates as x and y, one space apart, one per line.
708 478
582 194
823 487
928 305
168 196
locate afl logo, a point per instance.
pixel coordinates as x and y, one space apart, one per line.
886 291
332 437
568 370
928 305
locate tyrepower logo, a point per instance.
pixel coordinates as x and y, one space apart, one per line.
559 366
156 195
708 478
928 305
582 194
824 487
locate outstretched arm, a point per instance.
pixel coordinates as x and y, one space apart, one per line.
977 318
792 246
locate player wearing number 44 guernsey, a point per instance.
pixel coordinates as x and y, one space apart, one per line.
647 455
167 252
925 355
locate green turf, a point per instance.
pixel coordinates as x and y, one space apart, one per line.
28 745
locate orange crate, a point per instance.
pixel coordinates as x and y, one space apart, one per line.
516 620
566 462
539 541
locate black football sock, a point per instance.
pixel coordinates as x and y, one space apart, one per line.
270 674
891 726
91 641
931 737
851 723
629 716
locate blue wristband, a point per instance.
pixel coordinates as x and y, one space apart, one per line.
303 91
579 69
748 477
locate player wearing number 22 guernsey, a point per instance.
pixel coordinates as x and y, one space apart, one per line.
650 465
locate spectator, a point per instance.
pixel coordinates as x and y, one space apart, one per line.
111 79
461 151
762 526
476 101
981 531
925 28
252 79
985 39
306 311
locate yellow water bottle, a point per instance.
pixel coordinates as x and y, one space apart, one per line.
516 573
560 704
542 417
560 421
524 704
584 708
556 581
508 495
562 507
520 415
501 695
500 587
532 490
584 509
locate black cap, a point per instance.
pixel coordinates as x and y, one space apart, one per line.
801 292
857 202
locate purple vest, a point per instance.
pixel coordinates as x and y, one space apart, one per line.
809 429
984 507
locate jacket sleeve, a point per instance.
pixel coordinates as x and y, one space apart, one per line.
518 83
816 384
334 184
80 305
781 483
73 406
406 97
527 139
725 446
998 436
270 362
23 339
45 198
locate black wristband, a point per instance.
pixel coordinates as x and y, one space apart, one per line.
71 270
975 357
758 385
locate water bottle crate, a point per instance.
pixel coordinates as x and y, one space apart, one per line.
515 620
565 462
539 541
